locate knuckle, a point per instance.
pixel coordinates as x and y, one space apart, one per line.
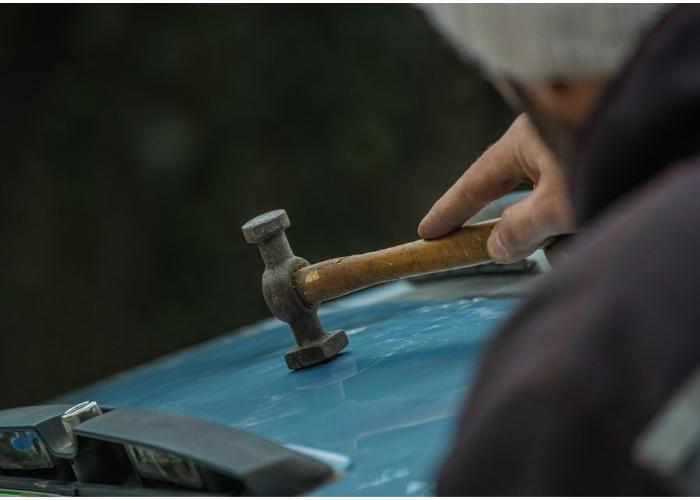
523 141
464 199
555 213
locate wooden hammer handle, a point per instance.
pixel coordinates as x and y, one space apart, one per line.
335 277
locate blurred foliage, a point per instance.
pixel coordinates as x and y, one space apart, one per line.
137 139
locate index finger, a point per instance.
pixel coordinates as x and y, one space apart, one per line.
495 173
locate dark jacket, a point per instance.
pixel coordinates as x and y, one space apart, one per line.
593 386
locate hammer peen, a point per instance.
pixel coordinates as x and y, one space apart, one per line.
293 288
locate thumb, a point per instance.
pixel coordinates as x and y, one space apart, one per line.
527 223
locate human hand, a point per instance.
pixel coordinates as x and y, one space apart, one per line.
518 157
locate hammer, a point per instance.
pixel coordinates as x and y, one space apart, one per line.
293 288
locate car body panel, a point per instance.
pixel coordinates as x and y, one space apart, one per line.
389 402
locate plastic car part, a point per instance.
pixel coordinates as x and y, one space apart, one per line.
135 451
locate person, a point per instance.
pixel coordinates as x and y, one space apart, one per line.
593 385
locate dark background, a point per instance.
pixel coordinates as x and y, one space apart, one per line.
135 140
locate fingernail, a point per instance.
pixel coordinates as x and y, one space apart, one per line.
495 248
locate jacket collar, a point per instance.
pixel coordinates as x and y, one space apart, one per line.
648 119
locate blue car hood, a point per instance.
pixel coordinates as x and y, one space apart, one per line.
389 402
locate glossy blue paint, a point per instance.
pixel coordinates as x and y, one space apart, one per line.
389 402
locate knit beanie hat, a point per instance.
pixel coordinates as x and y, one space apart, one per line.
546 41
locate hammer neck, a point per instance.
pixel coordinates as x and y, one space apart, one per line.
276 250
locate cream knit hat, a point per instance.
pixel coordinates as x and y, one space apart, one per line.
545 41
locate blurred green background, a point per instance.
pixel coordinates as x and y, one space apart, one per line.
137 139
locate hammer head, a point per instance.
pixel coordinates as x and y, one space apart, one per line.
265 226
314 344
312 353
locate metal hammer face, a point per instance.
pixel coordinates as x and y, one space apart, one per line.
314 344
